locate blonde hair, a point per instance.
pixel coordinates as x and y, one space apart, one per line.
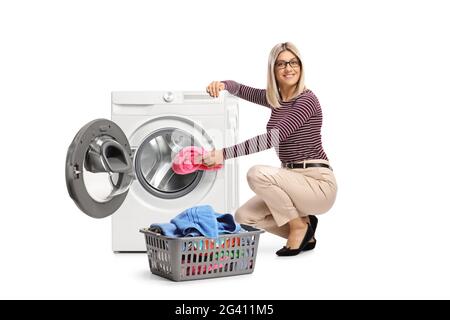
273 93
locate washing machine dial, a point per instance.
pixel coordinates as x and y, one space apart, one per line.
168 96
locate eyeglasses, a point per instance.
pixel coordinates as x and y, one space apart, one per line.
281 64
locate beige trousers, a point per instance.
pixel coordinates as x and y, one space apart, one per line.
284 194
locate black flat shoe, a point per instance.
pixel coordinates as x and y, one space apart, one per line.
285 251
312 243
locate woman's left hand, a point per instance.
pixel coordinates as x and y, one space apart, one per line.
213 158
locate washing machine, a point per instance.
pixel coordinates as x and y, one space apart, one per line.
122 167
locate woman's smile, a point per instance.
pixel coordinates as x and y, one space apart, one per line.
289 76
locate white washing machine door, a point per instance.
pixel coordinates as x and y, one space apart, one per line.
99 168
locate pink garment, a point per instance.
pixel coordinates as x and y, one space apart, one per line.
183 162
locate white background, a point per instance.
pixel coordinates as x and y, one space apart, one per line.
379 68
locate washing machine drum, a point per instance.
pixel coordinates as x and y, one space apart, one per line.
100 169
153 164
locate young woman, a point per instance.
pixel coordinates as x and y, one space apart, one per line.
287 197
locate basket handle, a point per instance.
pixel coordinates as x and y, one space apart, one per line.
147 230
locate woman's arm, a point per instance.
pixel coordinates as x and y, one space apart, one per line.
302 110
257 96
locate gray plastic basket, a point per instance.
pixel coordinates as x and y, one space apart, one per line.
191 258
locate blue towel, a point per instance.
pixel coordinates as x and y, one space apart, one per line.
198 221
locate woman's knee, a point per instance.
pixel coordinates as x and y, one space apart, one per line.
253 175
243 216
240 216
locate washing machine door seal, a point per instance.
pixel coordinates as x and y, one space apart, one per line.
99 150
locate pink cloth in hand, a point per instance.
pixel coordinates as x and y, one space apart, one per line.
183 162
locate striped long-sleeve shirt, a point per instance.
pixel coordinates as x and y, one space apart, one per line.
293 129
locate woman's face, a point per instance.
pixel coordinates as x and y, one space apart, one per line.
287 69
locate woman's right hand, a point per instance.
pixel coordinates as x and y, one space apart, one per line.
214 88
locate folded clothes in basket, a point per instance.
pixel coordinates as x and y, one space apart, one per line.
198 221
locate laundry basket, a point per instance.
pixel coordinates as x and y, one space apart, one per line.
191 258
